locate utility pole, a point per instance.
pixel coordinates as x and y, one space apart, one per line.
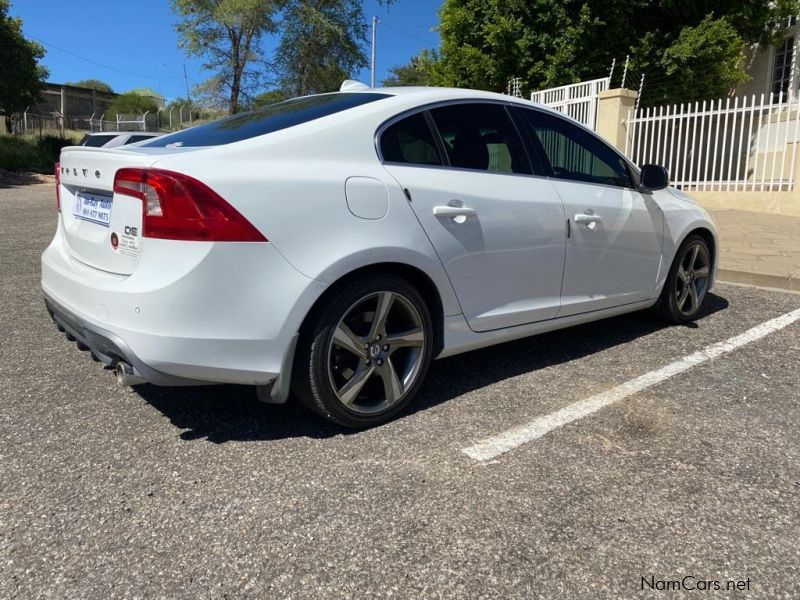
372 63
188 99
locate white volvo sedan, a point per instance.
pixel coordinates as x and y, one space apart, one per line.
331 246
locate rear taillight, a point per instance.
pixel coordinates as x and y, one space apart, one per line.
178 207
58 186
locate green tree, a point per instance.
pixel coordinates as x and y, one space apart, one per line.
131 104
93 84
228 34
418 72
21 76
705 61
679 45
322 44
269 97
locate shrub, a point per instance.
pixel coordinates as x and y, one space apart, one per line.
49 148
17 154
39 155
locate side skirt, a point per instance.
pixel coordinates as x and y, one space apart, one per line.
459 338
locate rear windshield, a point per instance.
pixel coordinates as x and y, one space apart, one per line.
264 120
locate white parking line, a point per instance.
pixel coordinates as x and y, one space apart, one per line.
501 443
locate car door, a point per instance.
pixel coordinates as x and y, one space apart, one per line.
498 230
615 239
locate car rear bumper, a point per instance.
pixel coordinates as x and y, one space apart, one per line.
192 313
105 346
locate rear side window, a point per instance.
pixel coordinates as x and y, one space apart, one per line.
410 141
265 120
97 141
481 137
574 153
139 138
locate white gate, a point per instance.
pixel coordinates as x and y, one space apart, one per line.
730 144
578 100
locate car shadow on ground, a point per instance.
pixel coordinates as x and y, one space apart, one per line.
233 413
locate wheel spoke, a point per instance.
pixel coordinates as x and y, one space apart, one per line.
701 272
695 252
682 272
350 390
344 337
412 337
385 301
392 387
693 295
683 295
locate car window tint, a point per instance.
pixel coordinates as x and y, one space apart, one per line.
410 141
138 138
574 153
481 137
97 141
265 120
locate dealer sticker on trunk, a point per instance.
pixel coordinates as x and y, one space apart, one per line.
93 208
127 242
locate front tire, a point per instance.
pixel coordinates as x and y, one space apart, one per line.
687 282
363 355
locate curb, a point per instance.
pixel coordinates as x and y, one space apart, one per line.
789 282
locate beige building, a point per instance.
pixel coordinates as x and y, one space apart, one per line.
72 102
773 69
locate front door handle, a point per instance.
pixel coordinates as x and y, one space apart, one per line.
587 218
454 212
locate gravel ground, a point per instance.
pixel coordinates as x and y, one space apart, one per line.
205 493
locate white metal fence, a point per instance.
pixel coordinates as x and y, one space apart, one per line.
578 100
177 117
730 144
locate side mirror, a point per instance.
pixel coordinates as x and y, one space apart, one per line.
654 177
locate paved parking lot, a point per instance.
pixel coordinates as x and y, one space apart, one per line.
203 492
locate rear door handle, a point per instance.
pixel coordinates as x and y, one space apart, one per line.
453 211
587 219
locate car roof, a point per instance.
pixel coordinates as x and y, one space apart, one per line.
432 94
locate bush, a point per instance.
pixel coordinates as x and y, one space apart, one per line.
49 148
17 154
131 104
39 155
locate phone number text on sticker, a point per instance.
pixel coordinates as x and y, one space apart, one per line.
96 209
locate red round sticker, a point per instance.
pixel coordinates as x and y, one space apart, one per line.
114 240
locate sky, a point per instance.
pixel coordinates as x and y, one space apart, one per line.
133 44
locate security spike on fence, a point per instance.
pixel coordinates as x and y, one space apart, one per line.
625 70
639 95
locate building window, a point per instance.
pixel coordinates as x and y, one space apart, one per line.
782 68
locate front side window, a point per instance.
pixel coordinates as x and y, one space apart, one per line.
481 137
265 120
410 141
574 153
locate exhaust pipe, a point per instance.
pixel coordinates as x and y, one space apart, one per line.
126 375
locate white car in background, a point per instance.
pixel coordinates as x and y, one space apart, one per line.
333 245
112 139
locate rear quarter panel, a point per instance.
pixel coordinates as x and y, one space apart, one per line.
291 186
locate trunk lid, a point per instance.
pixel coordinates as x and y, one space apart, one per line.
102 229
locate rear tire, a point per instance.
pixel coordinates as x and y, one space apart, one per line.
362 356
687 283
